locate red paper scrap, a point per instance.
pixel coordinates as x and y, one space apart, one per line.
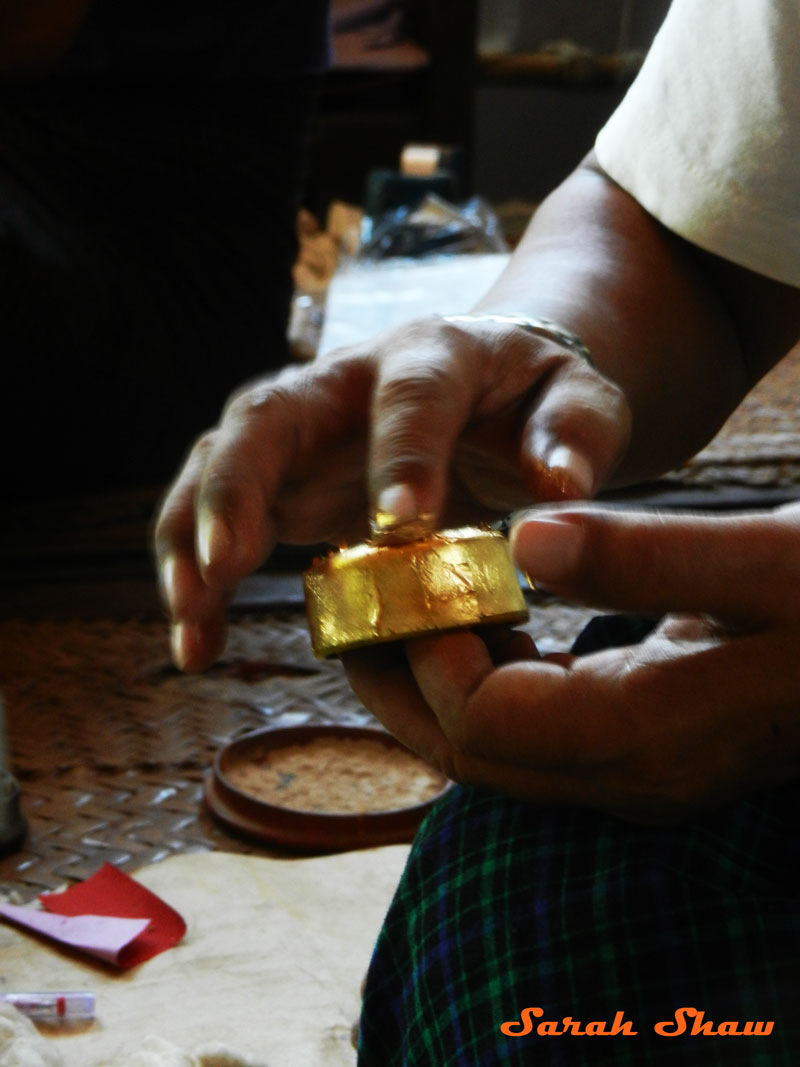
111 892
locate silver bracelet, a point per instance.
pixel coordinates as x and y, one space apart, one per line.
540 327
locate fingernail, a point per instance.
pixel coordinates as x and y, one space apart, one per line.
214 538
183 638
396 504
547 549
397 515
572 469
166 576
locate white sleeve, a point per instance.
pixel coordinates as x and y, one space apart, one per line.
707 139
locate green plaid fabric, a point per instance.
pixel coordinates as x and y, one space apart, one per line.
505 906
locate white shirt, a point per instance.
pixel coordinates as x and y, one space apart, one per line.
707 139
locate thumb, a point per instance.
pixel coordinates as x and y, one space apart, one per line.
576 432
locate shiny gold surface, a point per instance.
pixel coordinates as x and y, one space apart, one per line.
374 593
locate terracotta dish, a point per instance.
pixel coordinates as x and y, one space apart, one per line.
322 788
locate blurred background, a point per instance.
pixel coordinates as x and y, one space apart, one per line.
521 85
507 95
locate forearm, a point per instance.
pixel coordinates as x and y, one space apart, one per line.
35 33
652 309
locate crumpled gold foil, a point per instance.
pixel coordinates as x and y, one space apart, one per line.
372 593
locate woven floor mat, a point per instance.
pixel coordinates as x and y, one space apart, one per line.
759 445
110 743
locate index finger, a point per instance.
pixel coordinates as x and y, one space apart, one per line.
439 383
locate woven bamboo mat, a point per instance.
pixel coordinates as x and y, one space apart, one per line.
759 445
110 743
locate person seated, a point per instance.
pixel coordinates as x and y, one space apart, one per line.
623 835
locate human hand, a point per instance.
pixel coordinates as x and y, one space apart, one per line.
703 710
426 425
